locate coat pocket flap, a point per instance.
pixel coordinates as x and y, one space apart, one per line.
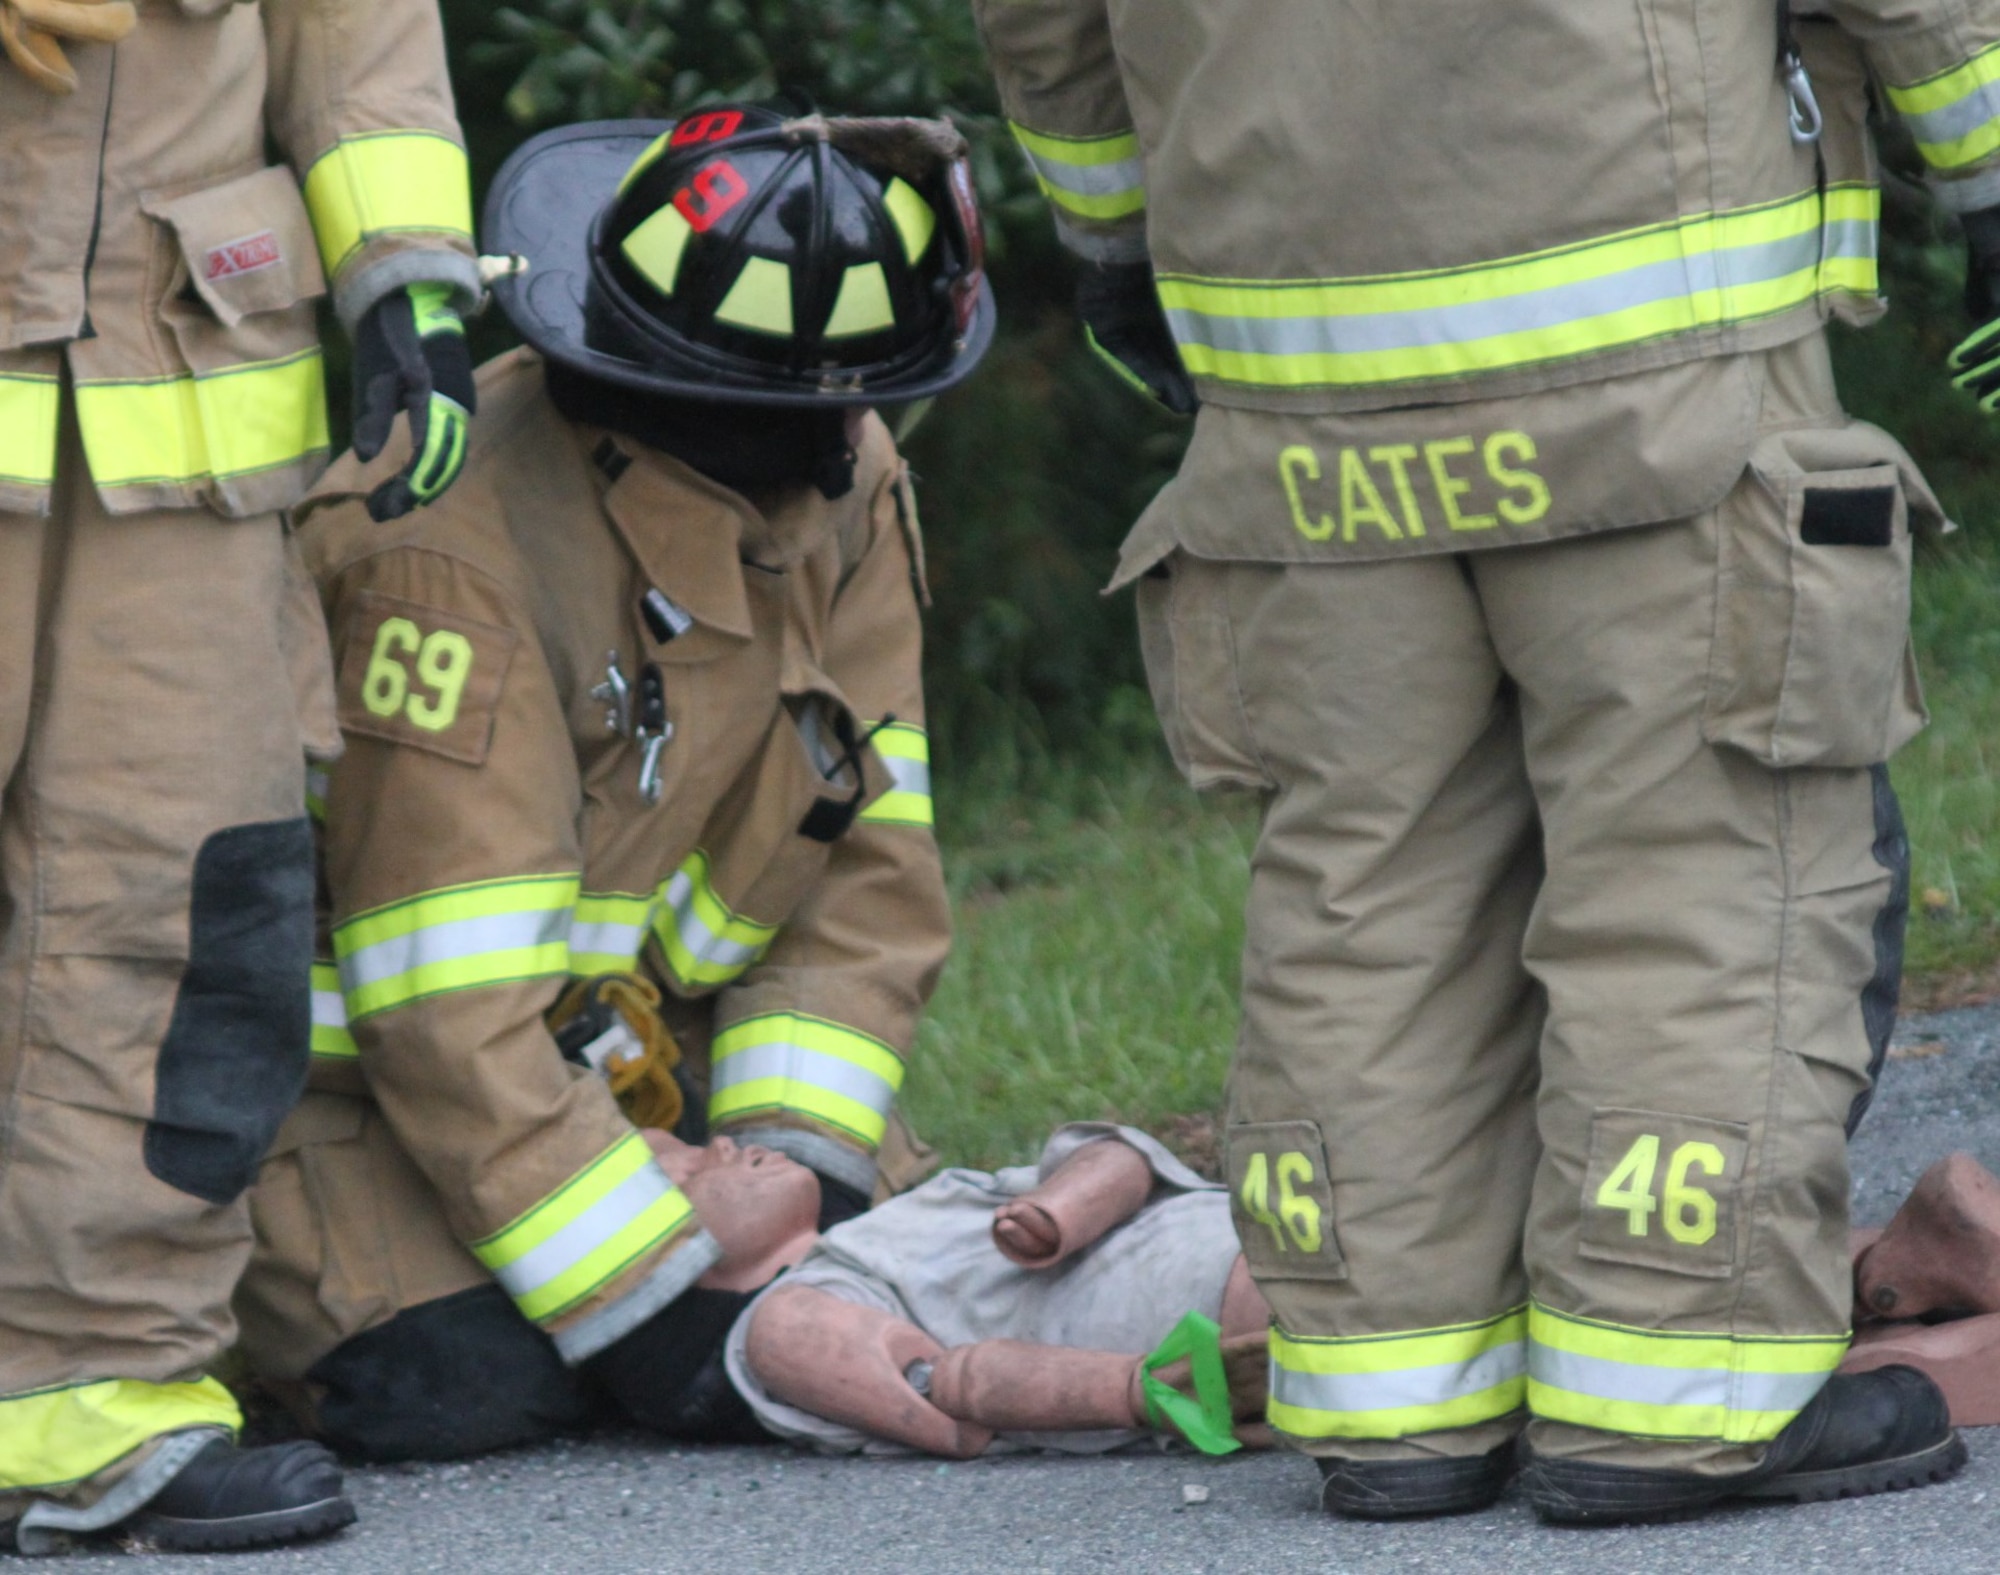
248 243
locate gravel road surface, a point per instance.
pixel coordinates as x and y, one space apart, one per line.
629 1505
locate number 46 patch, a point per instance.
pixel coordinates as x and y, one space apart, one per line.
1660 1191
1282 1201
422 676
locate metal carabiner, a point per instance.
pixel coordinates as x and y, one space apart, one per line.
1807 121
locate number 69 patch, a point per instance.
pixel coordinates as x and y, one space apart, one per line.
1281 1200
421 676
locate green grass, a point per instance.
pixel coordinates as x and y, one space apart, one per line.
1099 905
1100 918
1951 799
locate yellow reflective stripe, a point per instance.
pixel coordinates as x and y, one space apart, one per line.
862 307
1092 177
180 430
383 182
330 1037
703 941
28 407
1392 1385
914 220
655 247
605 1218
609 932
805 1066
1655 1383
1618 291
906 751
458 938
1954 115
760 299
50 1438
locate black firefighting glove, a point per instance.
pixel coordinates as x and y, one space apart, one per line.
410 354
838 1203
1976 361
1120 308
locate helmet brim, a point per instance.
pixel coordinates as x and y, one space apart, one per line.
542 206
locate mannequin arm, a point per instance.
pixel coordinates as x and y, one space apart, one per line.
1099 1187
846 1363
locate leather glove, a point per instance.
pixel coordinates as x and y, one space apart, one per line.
1122 319
410 354
31 30
1976 361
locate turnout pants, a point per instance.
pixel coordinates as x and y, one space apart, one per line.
155 941
1574 930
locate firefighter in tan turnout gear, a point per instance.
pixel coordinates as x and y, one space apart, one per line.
1526 566
163 670
636 789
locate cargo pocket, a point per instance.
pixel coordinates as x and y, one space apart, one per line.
233 1062
1189 649
1811 663
239 307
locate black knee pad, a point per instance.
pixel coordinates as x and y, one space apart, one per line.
233 1062
457 1376
668 1375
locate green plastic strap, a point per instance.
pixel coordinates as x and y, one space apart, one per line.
1205 1420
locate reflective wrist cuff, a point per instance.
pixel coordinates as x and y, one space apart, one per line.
1089 177
1967 192
831 1158
583 1339
386 183
1954 115
1122 242
362 286
604 1221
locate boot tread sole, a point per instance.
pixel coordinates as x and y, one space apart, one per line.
171 1534
1941 1460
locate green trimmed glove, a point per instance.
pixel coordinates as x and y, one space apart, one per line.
410 354
1976 361
1120 308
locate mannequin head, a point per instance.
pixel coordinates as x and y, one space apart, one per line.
760 1206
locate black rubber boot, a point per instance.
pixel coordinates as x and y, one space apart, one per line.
1401 1489
227 1497
1875 1432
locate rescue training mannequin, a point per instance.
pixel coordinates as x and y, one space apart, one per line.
978 1311
1525 566
633 825
181 182
1927 1289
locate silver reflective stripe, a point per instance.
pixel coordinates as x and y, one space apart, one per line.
1089 180
1851 238
797 1064
1638 1382
583 1235
1405 1387
607 937
329 1009
702 943
448 942
910 776
1555 306
1960 118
